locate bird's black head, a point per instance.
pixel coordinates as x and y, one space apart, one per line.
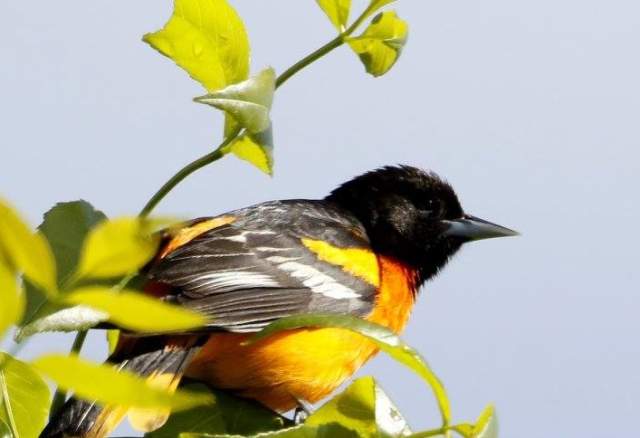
413 216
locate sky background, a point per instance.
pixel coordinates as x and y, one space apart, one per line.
530 109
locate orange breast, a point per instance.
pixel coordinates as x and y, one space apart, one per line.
305 364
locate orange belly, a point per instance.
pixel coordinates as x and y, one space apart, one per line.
304 364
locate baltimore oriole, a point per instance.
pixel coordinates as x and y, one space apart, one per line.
364 250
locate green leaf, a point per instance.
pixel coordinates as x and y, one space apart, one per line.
337 11
117 248
11 297
374 6
256 150
248 102
5 432
247 106
487 424
333 430
364 408
380 45
206 38
384 338
136 311
60 319
391 423
24 398
230 415
65 226
106 385
355 408
113 336
26 251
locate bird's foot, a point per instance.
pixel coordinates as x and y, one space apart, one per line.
302 412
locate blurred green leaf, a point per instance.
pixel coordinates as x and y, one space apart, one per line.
117 248
206 38
363 408
230 415
385 339
247 106
464 429
337 11
5 432
11 297
62 319
26 251
24 398
106 385
65 226
113 336
332 430
136 311
374 6
487 424
380 45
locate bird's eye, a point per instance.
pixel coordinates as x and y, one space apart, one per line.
432 208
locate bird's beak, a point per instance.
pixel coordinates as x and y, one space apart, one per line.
473 228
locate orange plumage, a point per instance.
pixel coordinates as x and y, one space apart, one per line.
305 364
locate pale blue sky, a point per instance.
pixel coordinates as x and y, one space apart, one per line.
530 109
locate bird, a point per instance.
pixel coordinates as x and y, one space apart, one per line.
364 250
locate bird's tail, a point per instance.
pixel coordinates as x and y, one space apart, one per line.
160 359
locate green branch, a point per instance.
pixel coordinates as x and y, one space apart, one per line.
219 152
185 172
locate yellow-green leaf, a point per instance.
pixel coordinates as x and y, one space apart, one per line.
113 336
116 248
385 339
106 385
380 45
206 38
26 251
364 408
24 398
136 311
257 150
11 297
332 430
337 11
487 424
5 431
355 408
248 102
247 106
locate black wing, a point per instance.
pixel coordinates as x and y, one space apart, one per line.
250 272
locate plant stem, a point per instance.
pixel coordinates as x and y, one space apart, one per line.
219 152
60 396
295 68
183 173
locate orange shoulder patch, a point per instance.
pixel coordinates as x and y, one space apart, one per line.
185 235
362 263
396 295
